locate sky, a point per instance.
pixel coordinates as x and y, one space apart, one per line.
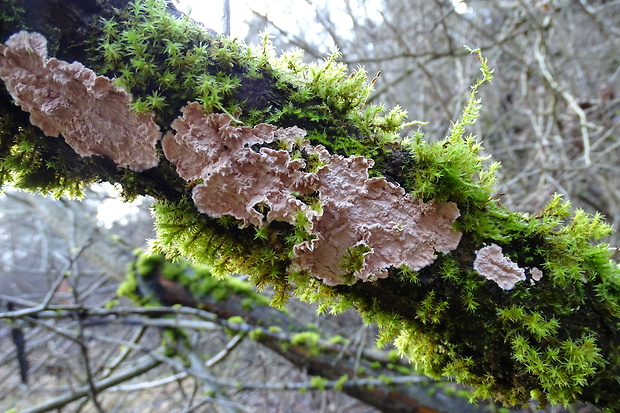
210 12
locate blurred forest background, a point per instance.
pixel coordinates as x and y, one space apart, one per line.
551 117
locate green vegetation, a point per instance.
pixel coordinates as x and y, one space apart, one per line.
555 338
308 340
166 62
149 270
11 13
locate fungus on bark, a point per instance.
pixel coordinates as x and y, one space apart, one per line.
91 113
396 228
371 216
494 265
235 177
536 275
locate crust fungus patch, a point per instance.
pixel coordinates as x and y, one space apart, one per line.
64 98
536 275
368 216
494 265
360 211
235 177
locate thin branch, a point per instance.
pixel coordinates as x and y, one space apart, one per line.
92 390
570 99
223 353
226 18
124 353
328 384
45 304
140 368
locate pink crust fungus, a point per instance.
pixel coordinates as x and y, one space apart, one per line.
64 98
536 275
235 177
395 228
494 265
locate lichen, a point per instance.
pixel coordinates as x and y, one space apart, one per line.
69 99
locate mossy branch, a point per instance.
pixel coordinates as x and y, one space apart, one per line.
550 333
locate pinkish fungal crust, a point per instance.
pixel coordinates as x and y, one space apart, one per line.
491 263
235 177
64 98
356 210
536 275
399 229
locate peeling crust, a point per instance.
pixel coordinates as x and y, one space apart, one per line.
494 265
396 228
91 113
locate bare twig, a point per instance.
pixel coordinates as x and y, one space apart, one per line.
146 364
569 98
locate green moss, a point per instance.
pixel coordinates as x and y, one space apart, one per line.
318 382
338 340
394 356
353 260
312 327
198 280
248 304
31 161
166 62
399 369
341 382
129 287
112 303
385 379
11 13
307 339
256 334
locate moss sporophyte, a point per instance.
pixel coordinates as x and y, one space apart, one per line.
303 171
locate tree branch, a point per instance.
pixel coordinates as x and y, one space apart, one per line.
267 172
145 365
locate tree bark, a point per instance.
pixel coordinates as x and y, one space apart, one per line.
554 337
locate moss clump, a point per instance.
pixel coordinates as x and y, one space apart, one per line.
11 14
318 382
308 340
142 282
223 246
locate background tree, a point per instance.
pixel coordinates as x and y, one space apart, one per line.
152 102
